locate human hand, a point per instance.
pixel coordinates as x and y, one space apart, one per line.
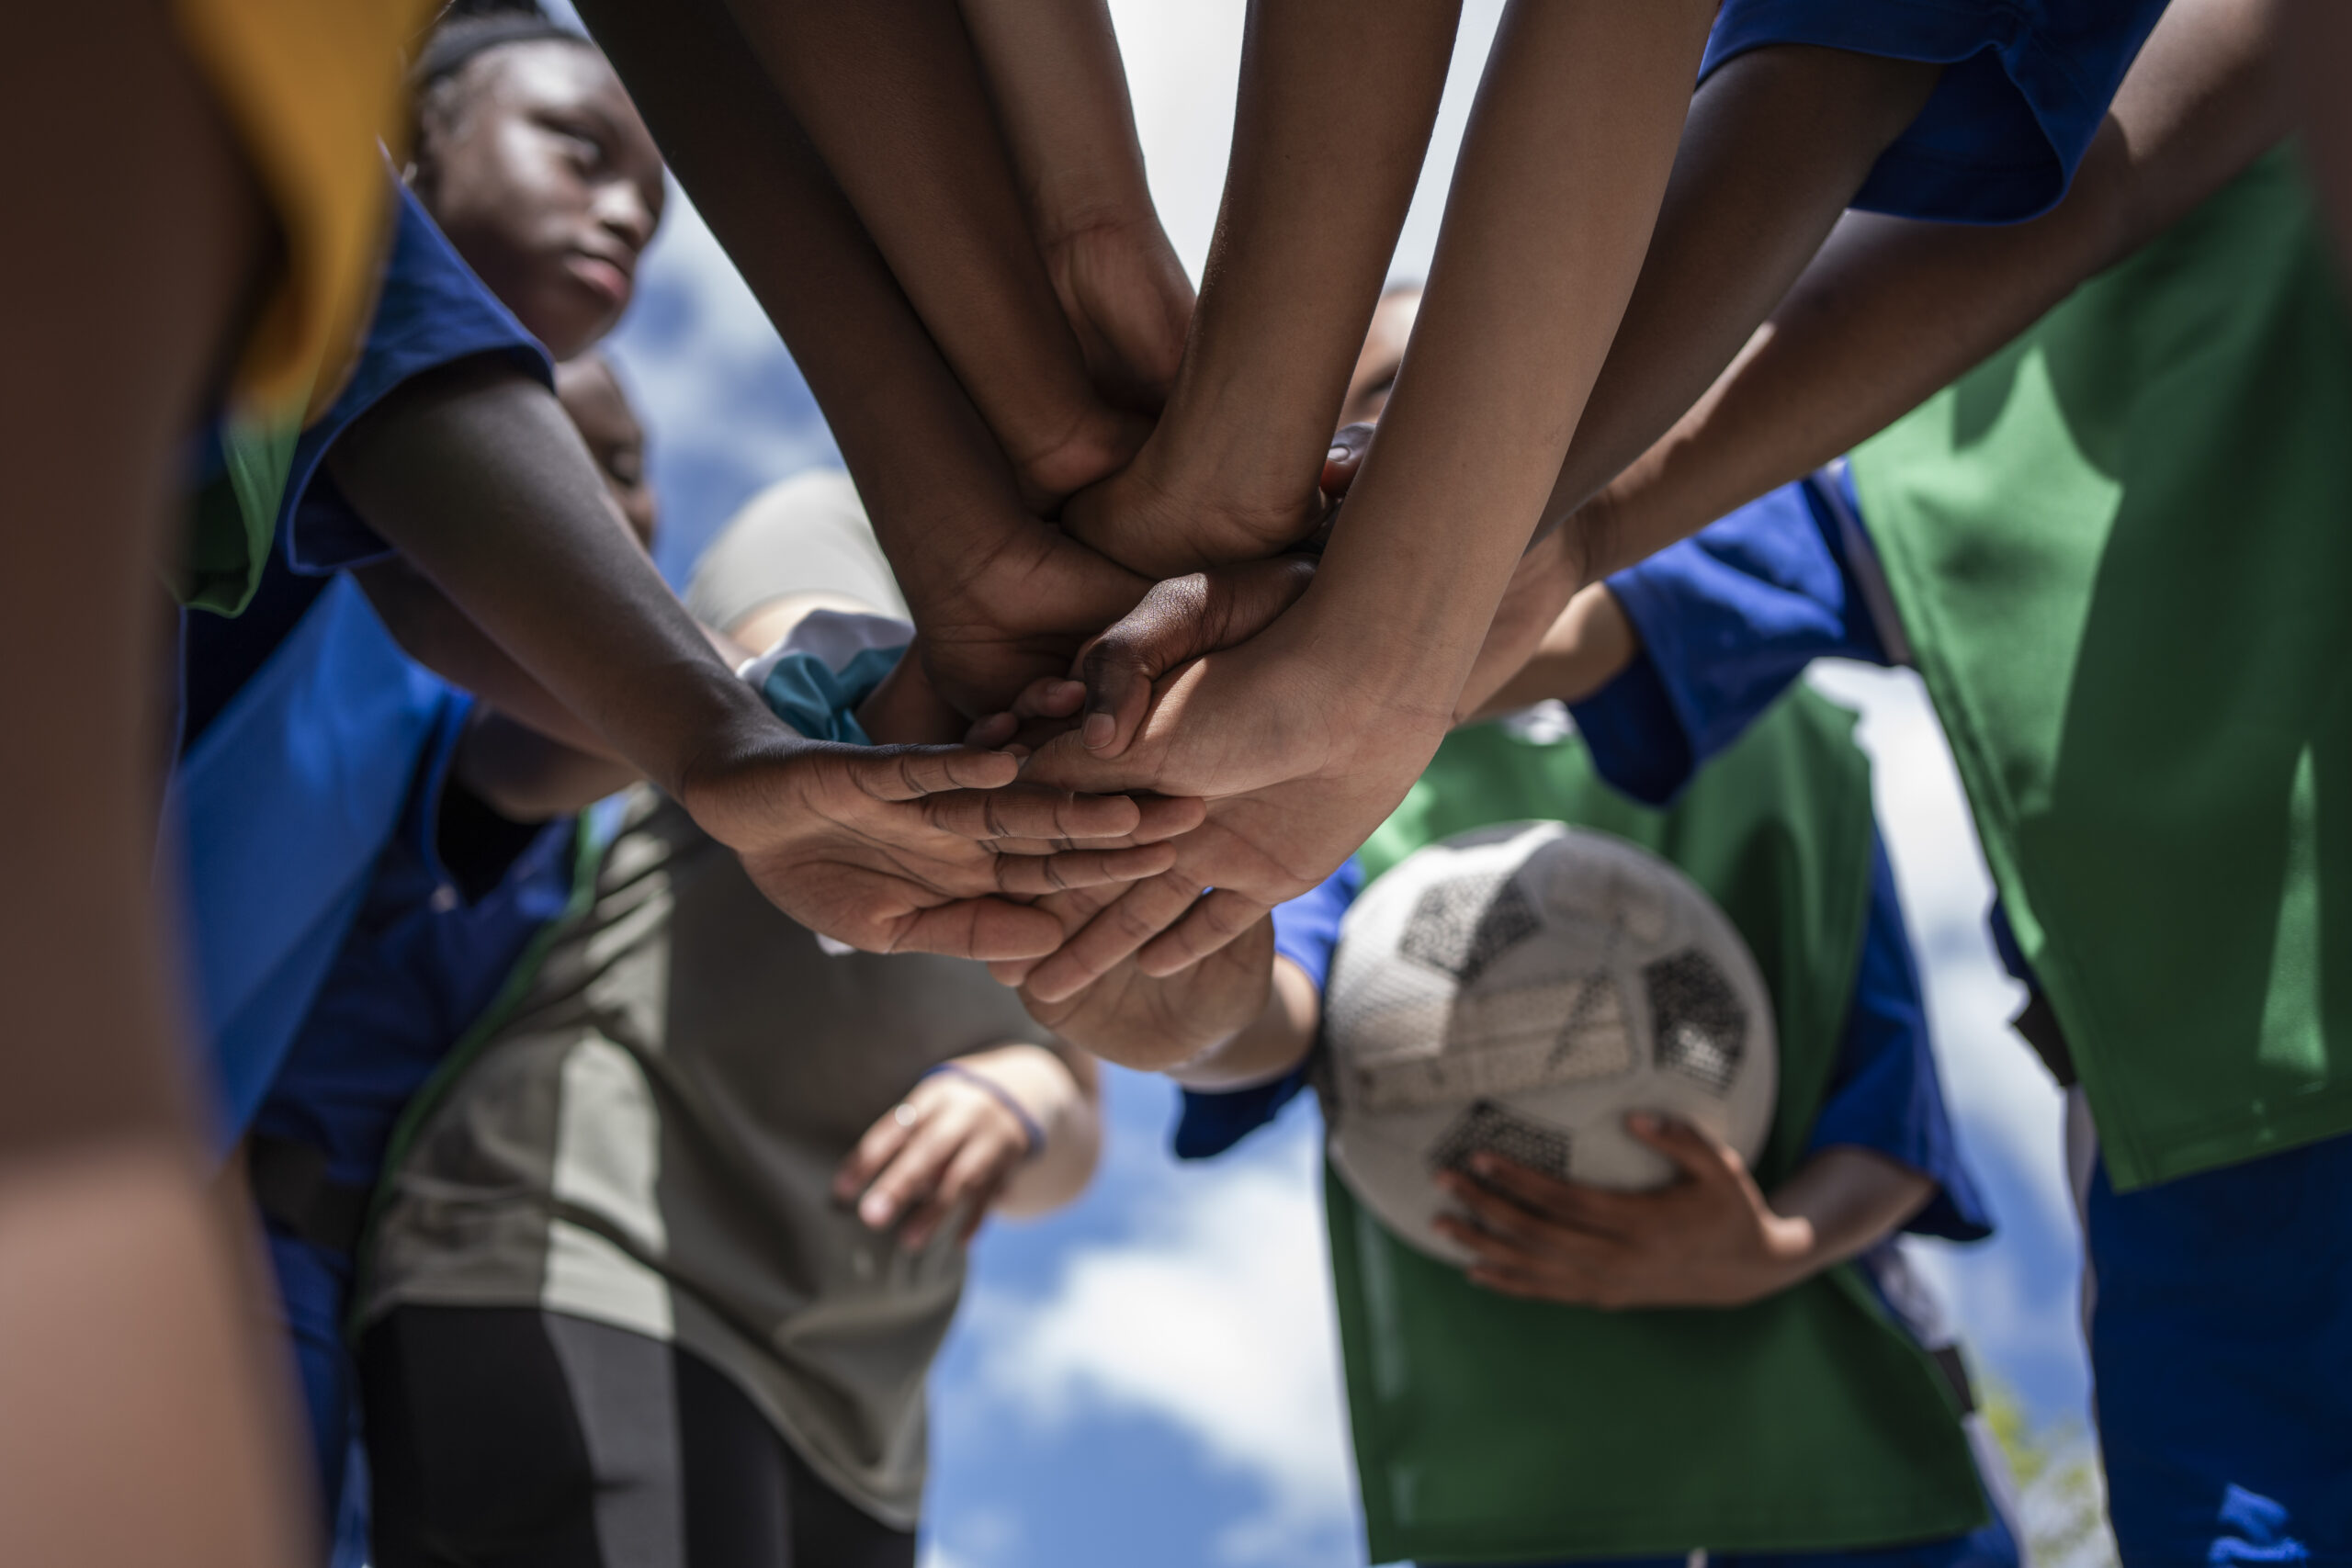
1128 300
946 1151
1709 1239
1300 750
1153 518
1156 1023
1004 600
920 848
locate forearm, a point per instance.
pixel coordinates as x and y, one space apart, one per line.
525 776
481 480
1324 164
437 634
1840 1204
1892 311
1536 257
908 433
1060 93
1589 646
1776 144
1062 1096
890 94
1269 1046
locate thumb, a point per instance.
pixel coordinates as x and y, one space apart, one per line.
1345 459
1180 619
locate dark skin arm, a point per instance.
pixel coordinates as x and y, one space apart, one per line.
891 95
1710 1238
482 482
1001 597
1892 311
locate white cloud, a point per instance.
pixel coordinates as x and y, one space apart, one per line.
1212 1315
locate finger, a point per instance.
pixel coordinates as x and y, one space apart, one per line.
1345 459
1701 1155
1136 915
1493 1215
909 773
1029 875
1050 696
912 1172
1073 909
1031 812
977 1169
1121 664
882 1140
993 732
1162 817
1481 1243
1567 1202
987 929
1210 923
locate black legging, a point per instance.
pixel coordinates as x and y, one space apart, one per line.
511 1437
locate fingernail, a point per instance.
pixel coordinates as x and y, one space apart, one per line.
874 1212
1336 455
1483 1164
1641 1122
1101 728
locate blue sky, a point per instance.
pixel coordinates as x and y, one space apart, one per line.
1149 1377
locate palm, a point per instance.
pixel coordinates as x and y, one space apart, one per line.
909 848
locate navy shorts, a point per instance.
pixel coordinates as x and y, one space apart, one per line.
2027 84
2222 1345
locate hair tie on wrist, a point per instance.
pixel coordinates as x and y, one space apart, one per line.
1002 1096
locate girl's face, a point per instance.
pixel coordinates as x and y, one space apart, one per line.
535 164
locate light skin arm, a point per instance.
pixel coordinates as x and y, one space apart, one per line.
1331 124
1305 737
1710 1239
954 1150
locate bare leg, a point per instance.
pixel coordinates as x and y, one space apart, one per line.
890 94
1337 99
140 1420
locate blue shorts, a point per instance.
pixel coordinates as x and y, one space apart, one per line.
2221 1348
1989 1547
2028 82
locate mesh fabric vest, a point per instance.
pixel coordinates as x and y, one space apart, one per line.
2122 549
1491 1429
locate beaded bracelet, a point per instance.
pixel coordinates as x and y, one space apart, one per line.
1002 1096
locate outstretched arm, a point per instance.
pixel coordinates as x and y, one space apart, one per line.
1001 598
1060 91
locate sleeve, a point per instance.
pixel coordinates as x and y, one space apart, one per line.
2025 85
1728 618
432 311
1306 931
1883 1093
822 670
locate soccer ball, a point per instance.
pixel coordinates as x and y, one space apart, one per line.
1521 988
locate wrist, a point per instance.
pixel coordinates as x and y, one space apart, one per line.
1032 1130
